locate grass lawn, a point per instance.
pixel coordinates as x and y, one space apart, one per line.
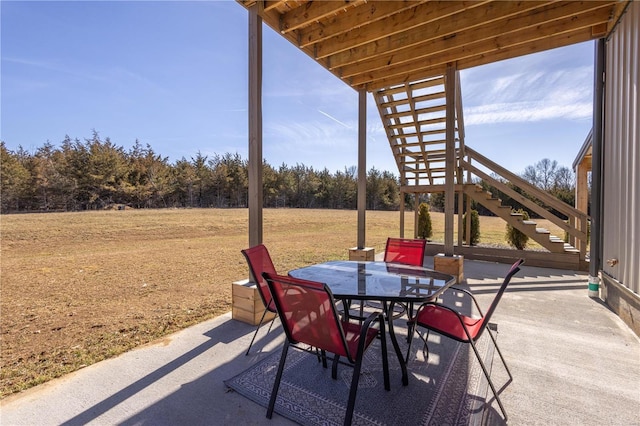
81 287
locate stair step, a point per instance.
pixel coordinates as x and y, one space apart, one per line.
542 231
529 222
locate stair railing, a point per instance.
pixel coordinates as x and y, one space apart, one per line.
576 227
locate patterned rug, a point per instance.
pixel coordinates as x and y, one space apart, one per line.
449 389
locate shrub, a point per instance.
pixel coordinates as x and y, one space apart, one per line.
475 227
424 222
514 236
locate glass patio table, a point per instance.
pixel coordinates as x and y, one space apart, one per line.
388 283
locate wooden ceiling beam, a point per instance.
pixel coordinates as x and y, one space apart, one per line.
553 42
540 45
274 5
390 44
617 10
442 27
271 17
484 47
365 14
590 12
422 14
312 12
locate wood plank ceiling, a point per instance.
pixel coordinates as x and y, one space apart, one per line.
376 44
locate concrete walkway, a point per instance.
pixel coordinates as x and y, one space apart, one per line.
574 362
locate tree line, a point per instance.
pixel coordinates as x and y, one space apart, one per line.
94 174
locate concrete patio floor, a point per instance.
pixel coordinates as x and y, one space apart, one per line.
574 362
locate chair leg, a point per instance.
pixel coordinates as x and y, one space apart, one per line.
411 327
276 384
425 351
385 360
323 355
495 343
353 391
334 367
486 374
256 332
410 310
271 325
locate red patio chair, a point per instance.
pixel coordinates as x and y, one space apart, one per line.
259 261
405 251
309 316
465 329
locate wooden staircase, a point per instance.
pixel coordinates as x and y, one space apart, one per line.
528 227
415 116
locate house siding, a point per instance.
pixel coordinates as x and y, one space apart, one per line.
621 154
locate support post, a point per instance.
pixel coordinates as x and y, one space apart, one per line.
416 210
255 125
401 214
361 252
461 216
449 191
362 166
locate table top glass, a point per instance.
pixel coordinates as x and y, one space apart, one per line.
361 280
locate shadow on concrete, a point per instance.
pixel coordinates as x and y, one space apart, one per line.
225 333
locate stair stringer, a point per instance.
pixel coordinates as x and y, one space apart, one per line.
528 227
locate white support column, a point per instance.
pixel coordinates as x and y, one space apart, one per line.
255 125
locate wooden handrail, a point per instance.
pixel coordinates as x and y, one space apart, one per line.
581 235
532 190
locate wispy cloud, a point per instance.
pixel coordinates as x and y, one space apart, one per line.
518 112
297 131
115 75
50 66
529 97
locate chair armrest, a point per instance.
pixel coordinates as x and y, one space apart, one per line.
366 325
372 317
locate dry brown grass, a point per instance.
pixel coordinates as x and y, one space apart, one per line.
81 287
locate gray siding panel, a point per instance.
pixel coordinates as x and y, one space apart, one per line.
621 152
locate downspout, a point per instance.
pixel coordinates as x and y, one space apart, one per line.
597 174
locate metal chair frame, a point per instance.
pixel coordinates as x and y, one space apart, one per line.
250 255
328 314
470 336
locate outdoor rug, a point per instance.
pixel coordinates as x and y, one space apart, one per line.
449 389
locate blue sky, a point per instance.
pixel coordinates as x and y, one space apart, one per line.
174 75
